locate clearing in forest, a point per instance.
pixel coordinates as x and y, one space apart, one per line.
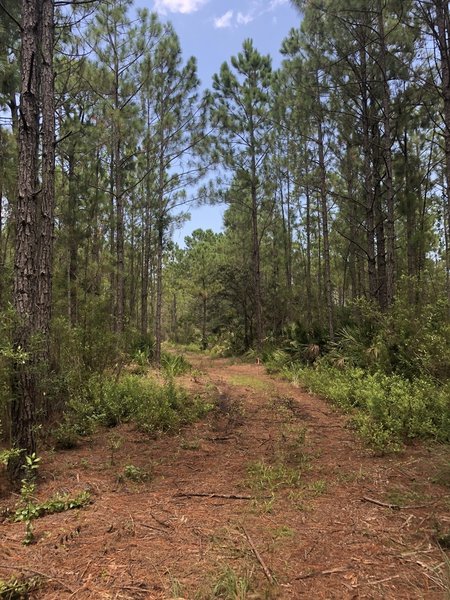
270 496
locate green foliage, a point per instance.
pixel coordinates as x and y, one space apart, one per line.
18 588
65 436
404 341
57 504
152 406
174 365
136 474
263 477
389 408
232 586
7 455
29 510
27 488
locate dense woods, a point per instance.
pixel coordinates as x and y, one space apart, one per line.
335 171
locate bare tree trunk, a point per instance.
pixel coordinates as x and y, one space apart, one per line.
23 378
381 292
159 291
133 276
120 246
387 158
46 205
256 262
72 245
308 257
368 179
204 316
352 250
326 239
145 270
443 26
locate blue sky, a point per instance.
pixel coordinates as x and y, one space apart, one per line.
213 31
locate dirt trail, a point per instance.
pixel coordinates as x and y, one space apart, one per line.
266 494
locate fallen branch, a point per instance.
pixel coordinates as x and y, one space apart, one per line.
267 573
153 528
326 572
378 503
383 580
213 495
396 506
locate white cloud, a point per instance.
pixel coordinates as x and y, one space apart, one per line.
224 20
178 6
257 8
244 19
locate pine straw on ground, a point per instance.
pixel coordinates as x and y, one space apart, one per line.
271 492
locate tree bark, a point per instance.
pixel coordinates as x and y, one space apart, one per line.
443 27
23 378
256 262
387 158
159 291
325 232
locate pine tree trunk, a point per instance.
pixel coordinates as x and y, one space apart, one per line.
25 288
146 237
46 205
120 245
159 291
387 159
256 262
368 179
443 27
325 233
72 245
308 257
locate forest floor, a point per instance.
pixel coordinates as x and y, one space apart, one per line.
271 496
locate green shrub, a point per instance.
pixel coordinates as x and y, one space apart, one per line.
136 474
153 406
65 436
174 365
390 409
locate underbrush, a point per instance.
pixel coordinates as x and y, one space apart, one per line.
106 401
387 410
390 370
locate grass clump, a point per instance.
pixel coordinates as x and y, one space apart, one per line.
263 477
231 585
249 381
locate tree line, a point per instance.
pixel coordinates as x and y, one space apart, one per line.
335 169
